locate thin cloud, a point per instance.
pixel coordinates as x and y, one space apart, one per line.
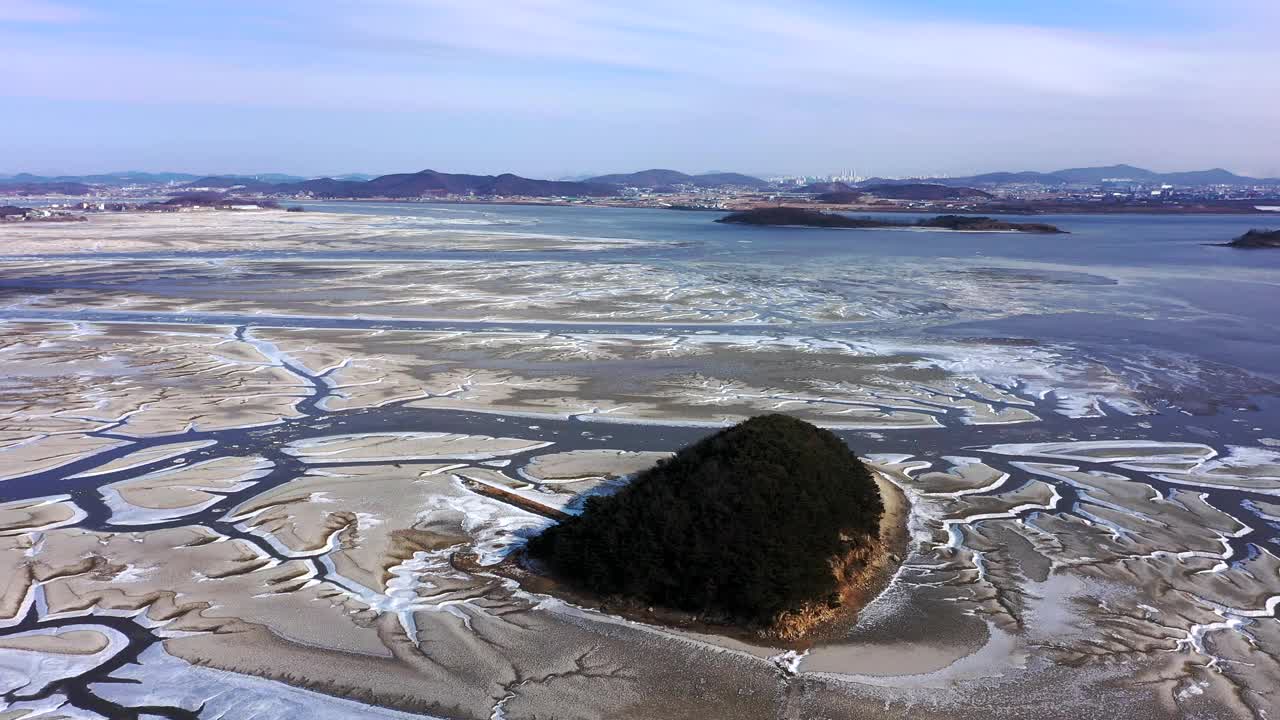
775 85
38 11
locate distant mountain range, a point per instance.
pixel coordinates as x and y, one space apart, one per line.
658 178
18 187
136 177
1092 176
429 183
413 185
126 177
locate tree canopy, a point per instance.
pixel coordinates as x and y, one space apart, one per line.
742 525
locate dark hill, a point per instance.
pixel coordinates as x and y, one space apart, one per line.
840 198
731 180
825 187
431 183
114 178
782 216
925 191
762 519
1094 175
985 224
207 199
1216 176
1009 178
660 178
44 188
1255 239
644 178
794 216
427 183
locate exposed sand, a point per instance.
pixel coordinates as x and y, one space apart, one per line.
172 493
20 517
64 641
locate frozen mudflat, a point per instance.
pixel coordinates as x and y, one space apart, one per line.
264 464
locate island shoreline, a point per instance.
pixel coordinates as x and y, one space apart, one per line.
857 592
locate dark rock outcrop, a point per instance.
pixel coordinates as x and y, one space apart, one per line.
802 217
1255 239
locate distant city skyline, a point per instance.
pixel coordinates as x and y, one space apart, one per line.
555 88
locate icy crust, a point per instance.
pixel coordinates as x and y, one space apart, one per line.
1090 568
584 468
1252 469
517 291
148 456
67 380
162 679
276 230
561 482
888 290
391 447
71 380
347 583
865 385
31 660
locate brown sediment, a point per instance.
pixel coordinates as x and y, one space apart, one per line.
513 499
59 642
864 572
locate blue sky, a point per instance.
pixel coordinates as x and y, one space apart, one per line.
559 87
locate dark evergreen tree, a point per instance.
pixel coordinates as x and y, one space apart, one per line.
743 525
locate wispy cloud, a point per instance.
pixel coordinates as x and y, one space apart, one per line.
37 11
732 74
820 48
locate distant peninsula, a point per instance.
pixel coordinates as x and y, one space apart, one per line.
1256 239
801 217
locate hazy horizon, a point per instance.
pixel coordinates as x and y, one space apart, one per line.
550 88
582 175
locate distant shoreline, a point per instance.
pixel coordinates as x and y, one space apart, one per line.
1198 211
856 593
1047 210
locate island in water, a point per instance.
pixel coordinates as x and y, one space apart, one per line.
801 217
1255 239
773 526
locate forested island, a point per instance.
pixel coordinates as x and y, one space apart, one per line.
772 525
1255 239
209 200
802 217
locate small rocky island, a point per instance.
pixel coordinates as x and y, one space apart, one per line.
802 217
773 526
1255 239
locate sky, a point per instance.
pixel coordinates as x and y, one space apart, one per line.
558 88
